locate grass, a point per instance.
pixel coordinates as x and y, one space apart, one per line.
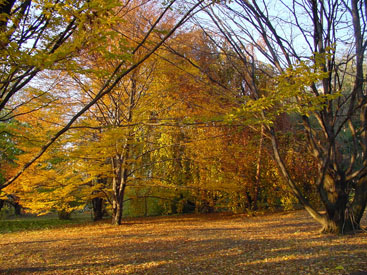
282 243
18 224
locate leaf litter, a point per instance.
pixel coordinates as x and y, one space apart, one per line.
280 243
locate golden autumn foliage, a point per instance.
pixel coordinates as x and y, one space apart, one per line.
199 123
159 136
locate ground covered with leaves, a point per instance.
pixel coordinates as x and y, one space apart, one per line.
282 243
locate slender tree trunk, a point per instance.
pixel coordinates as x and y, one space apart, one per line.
145 207
119 186
17 209
121 161
249 200
117 202
258 170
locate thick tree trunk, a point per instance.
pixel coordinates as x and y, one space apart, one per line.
335 221
340 217
117 214
118 208
98 208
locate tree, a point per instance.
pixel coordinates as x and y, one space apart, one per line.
38 37
54 184
317 52
123 68
118 146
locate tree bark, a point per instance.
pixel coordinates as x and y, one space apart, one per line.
98 208
117 213
145 206
118 206
17 209
258 170
335 199
119 186
359 204
64 215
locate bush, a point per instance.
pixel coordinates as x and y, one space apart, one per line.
6 211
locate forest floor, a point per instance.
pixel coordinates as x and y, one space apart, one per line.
281 243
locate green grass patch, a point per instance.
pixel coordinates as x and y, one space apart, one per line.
38 223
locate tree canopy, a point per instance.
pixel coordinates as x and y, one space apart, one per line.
185 106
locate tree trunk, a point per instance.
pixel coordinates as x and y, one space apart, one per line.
98 208
249 200
17 209
145 207
64 215
335 199
118 201
258 170
335 221
117 212
359 204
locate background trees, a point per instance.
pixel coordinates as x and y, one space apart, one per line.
158 140
196 121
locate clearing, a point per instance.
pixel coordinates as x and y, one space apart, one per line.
281 243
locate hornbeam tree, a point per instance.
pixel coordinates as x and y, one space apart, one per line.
121 69
317 53
117 148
